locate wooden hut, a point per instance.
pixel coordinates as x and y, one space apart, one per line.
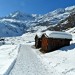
38 40
52 40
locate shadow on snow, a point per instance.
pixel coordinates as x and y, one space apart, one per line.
71 47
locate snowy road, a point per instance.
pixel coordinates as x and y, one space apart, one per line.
28 63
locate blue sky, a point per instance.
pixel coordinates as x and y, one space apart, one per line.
32 6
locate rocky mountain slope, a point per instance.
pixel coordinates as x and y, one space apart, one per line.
17 23
65 24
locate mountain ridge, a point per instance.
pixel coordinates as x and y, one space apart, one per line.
17 23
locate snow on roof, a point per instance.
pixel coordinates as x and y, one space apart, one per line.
58 34
39 34
55 34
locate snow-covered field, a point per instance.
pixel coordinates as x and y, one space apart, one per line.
60 62
9 52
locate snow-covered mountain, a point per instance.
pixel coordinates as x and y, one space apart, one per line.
17 23
65 24
20 16
19 56
54 18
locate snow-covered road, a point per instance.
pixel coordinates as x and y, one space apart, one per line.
28 63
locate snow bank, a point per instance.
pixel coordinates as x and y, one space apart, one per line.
8 54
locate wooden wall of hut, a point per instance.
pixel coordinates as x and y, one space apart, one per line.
37 42
44 45
51 44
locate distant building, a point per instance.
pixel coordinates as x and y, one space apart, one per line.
2 41
52 40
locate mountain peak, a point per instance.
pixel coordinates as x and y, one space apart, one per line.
20 16
17 13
